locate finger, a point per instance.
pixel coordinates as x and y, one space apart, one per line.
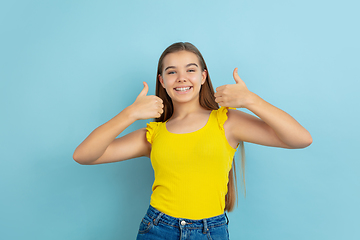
223 104
145 90
218 99
236 76
159 99
160 106
217 94
160 111
218 89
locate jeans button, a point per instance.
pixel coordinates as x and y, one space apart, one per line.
183 223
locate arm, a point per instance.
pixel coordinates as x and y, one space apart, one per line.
274 127
102 147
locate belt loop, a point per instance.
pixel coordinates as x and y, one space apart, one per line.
156 220
205 226
227 219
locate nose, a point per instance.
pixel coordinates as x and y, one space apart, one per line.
181 78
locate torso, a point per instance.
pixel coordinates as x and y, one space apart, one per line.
188 124
228 126
186 154
195 122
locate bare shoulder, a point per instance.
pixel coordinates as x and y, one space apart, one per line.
236 117
236 126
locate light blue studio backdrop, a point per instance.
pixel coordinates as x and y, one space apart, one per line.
67 67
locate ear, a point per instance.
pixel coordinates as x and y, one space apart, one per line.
204 76
161 80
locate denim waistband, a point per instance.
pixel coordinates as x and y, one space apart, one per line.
182 223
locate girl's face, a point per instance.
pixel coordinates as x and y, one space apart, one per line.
182 76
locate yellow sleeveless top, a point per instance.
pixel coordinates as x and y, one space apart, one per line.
191 169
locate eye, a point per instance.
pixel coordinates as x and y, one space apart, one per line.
171 72
191 70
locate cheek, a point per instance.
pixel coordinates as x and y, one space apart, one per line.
196 78
167 81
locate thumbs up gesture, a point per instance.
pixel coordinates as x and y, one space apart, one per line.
146 107
233 95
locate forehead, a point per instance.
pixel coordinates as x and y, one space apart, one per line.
180 59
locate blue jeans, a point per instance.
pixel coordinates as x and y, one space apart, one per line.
159 226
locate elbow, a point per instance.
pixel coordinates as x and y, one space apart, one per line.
310 140
78 159
305 142
300 142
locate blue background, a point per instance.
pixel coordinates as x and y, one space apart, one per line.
67 67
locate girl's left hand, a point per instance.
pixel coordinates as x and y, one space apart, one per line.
233 95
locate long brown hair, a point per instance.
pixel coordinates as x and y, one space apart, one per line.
207 101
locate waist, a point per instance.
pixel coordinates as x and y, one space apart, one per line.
158 216
189 197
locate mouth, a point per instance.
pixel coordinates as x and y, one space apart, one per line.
182 89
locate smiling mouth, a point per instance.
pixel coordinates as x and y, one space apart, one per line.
182 89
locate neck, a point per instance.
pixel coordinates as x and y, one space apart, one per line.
181 110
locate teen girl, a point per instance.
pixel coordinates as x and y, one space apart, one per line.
191 144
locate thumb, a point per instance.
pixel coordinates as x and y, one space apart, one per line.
145 90
236 76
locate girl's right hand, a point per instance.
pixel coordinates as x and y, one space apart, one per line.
146 107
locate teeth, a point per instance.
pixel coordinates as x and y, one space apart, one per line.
182 89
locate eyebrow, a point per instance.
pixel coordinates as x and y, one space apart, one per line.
188 65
